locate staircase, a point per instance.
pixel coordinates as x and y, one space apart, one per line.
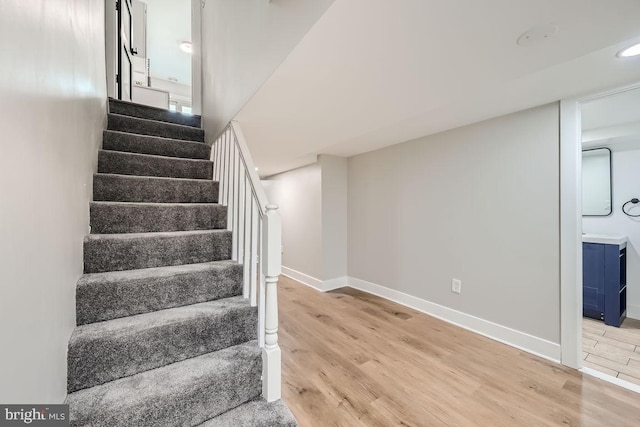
164 336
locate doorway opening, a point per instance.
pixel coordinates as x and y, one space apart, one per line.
600 237
150 48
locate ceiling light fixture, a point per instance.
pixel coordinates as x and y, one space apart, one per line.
186 46
630 51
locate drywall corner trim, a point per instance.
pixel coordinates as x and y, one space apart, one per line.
633 311
570 234
529 343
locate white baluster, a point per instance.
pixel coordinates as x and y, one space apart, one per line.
227 172
239 219
261 292
253 253
217 157
212 157
224 177
246 226
271 265
216 161
231 218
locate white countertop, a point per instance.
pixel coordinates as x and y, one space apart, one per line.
605 239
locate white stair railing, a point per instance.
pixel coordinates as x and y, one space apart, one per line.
256 243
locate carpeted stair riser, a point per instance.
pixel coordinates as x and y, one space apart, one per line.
115 252
152 113
163 326
105 351
155 145
186 393
150 127
111 295
257 413
125 217
117 162
124 188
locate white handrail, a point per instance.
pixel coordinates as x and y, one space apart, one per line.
256 243
261 196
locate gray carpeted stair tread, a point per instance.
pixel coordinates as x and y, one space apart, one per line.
123 163
128 217
145 144
185 393
256 413
163 328
114 252
129 188
152 127
125 108
105 351
115 294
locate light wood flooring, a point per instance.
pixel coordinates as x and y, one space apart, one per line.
612 351
353 359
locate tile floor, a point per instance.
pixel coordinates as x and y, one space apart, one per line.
612 351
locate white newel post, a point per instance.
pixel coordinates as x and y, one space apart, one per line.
271 263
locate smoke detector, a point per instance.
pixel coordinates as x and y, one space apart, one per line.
537 35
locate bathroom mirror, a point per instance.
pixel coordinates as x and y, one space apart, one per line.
596 182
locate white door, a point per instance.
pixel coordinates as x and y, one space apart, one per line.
125 69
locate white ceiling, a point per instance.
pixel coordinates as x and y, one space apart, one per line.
169 23
373 73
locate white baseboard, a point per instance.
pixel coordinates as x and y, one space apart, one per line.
633 311
523 341
302 278
610 379
320 285
529 343
338 282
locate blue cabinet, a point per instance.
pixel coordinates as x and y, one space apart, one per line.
593 280
604 290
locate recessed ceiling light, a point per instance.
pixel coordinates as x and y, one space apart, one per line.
630 51
256 168
186 47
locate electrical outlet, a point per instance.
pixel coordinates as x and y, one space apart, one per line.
456 286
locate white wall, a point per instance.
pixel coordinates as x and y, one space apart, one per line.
168 24
478 203
334 216
299 197
243 43
177 91
626 178
53 111
196 56
313 206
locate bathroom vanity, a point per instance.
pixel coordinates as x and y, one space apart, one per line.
604 278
